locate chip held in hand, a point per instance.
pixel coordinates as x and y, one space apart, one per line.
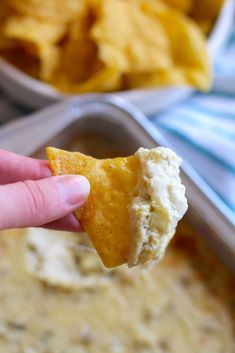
134 204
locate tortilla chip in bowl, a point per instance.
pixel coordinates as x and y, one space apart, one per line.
89 49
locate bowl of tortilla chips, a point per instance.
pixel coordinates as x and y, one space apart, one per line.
151 52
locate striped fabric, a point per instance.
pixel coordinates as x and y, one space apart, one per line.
203 128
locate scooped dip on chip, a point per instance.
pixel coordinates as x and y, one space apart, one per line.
134 204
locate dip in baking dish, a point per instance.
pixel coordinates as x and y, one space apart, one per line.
182 304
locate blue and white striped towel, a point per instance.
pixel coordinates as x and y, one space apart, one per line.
202 129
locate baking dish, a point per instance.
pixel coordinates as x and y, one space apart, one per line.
174 306
36 94
123 125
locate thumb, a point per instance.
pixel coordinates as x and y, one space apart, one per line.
33 203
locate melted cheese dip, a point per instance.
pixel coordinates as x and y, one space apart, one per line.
184 304
158 206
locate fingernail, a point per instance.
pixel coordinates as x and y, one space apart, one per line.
74 189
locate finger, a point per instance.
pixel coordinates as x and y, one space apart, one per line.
15 168
33 203
68 223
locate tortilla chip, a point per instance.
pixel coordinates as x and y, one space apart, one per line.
176 76
33 30
52 10
190 65
79 61
122 42
105 216
105 80
80 68
155 52
38 39
81 46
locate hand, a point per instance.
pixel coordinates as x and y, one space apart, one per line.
30 196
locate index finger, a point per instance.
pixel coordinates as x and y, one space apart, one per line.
14 167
